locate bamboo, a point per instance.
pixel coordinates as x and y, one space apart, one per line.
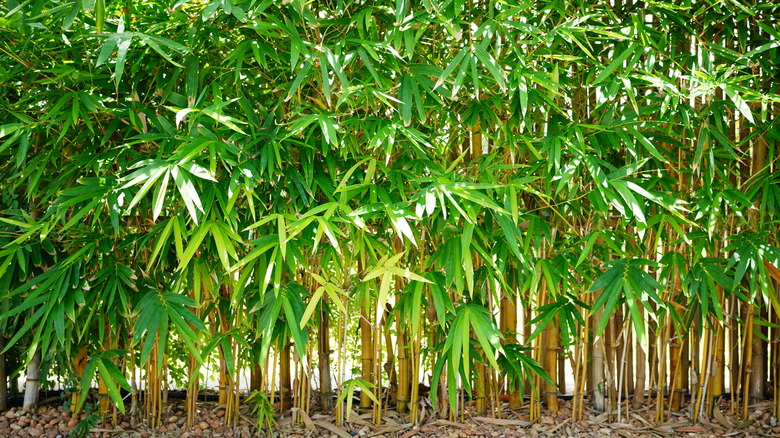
414 414
550 340
323 357
480 388
273 361
79 364
580 369
340 365
535 411
285 377
660 376
641 366
4 376
526 336
758 362
718 372
597 375
703 377
377 371
509 328
154 382
622 375
612 358
190 402
31 386
775 361
367 354
551 361
675 355
775 352
735 369
256 377
747 360
403 378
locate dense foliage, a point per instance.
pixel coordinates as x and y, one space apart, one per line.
235 176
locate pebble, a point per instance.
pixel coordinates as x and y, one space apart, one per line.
209 423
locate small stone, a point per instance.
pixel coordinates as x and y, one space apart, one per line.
173 419
15 426
203 425
548 420
35 431
73 422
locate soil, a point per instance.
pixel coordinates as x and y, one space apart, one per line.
55 422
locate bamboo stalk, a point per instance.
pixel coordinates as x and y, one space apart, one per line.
190 402
599 382
641 366
340 365
323 357
747 359
758 362
660 376
285 377
414 414
580 369
718 371
509 328
698 407
367 354
551 361
79 364
622 376
377 371
735 368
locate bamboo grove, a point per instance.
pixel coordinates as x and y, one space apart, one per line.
425 205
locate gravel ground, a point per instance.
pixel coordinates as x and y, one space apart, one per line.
52 422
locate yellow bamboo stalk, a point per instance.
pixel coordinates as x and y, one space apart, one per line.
581 359
702 383
718 371
747 359
78 365
285 378
367 354
414 414
660 352
377 372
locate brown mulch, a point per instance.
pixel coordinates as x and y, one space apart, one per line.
52 422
